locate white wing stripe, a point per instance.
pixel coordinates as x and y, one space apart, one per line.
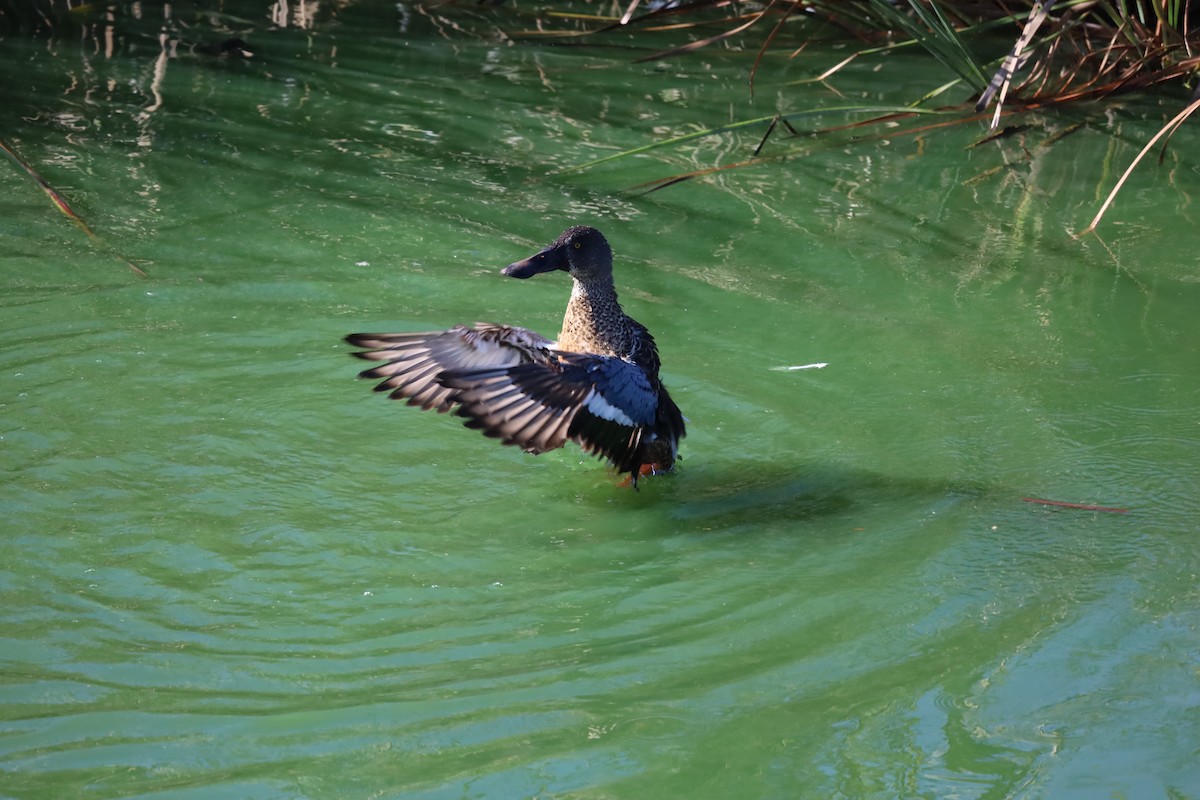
600 407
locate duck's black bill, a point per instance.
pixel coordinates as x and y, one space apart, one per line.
547 260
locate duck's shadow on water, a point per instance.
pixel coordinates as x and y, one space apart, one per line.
736 494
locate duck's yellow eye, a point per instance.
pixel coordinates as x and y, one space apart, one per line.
578 245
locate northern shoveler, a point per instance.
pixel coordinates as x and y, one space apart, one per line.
597 386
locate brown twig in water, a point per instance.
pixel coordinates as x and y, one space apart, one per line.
1076 506
59 201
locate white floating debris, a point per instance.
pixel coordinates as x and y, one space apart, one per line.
818 365
362 263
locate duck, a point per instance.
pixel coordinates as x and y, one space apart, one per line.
596 385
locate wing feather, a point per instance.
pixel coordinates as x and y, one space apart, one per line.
412 363
520 405
513 385
606 405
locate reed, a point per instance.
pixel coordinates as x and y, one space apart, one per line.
1063 52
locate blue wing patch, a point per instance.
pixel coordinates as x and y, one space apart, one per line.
623 386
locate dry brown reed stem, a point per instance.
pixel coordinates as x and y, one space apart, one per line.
61 203
1166 130
691 46
762 51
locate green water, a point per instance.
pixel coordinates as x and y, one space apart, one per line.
231 570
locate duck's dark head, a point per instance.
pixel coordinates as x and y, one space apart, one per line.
580 251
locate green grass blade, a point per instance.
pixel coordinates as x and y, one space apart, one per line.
733 126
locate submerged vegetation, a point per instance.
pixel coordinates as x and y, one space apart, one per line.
1065 52
1003 60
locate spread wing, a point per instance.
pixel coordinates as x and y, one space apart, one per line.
413 362
607 405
